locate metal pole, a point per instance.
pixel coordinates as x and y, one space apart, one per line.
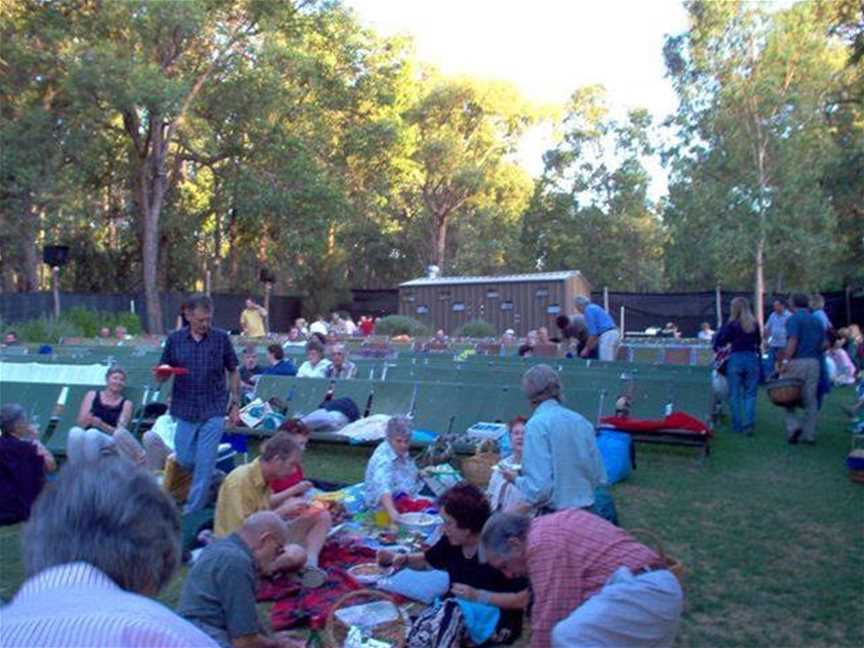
606 299
207 283
718 304
621 319
55 287
267 288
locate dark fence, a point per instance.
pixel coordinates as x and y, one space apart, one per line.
376 303
15 307
689 310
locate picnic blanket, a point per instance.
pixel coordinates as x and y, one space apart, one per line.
297 606
675 421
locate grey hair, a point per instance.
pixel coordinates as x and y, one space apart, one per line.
398 426
500 529
199 302
581 301
10 414
114 369
111 514
541 382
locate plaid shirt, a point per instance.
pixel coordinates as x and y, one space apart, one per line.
201 394
570 556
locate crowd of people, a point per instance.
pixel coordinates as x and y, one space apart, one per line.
265 524
799 343
534 541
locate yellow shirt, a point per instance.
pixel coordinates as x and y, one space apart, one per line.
243 493
252 323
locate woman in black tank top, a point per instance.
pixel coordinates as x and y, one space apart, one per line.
107 409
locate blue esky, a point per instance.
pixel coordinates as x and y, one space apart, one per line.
547 48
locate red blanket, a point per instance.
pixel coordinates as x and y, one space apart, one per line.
675 421
296 606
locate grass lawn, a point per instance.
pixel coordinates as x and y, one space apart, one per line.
771 535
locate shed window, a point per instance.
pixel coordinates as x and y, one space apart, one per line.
553 309
491 294
507 305
422 309
542 293
458 307
408 296
444 295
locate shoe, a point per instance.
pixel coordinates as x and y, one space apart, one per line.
748 431
793 438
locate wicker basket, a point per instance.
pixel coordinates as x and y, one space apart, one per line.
785 392
477 468
393 632
673 565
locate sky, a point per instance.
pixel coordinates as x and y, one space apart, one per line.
548 48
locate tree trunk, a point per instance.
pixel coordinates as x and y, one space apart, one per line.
28 242
440 241
759 291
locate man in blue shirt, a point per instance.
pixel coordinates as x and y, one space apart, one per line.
804 348
602 333
279 366
199 397
561 464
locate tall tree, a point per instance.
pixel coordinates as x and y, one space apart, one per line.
753 138
466 132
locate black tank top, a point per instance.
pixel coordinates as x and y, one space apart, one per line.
109 415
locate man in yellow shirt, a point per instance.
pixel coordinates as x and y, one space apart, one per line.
247 490
252 320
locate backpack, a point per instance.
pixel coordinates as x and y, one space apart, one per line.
438 626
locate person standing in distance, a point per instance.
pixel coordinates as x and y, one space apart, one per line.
252 320
602 332
199 398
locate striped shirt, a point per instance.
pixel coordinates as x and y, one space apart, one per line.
570 555
76 605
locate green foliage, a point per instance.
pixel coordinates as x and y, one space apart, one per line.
75 322
401 325
44 330
476 328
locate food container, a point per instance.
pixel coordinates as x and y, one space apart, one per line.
419 522
785 392
369 573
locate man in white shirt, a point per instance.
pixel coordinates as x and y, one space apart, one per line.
319 326
88 583
775 330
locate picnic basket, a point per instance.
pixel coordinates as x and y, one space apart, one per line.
392 632
673 565
477 468
785 392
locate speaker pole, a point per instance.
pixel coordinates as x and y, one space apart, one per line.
55 287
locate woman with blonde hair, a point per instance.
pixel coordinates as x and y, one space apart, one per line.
741 338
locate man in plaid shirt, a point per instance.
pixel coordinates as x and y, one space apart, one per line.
199 398
592 583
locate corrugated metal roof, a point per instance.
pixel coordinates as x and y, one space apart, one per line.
515 278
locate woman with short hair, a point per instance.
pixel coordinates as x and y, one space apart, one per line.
316 365
740 336
504 496
465 511
103 419
391 471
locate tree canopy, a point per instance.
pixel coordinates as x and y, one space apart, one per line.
162 140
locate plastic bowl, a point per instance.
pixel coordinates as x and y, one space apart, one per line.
418 522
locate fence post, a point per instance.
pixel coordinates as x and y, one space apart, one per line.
606 298
621 320
55 288
718 304
267 288
207 283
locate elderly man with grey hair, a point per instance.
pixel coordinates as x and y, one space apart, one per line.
219 593
603 335
561 464
23 464
101 539
391 471
593 583
341 368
